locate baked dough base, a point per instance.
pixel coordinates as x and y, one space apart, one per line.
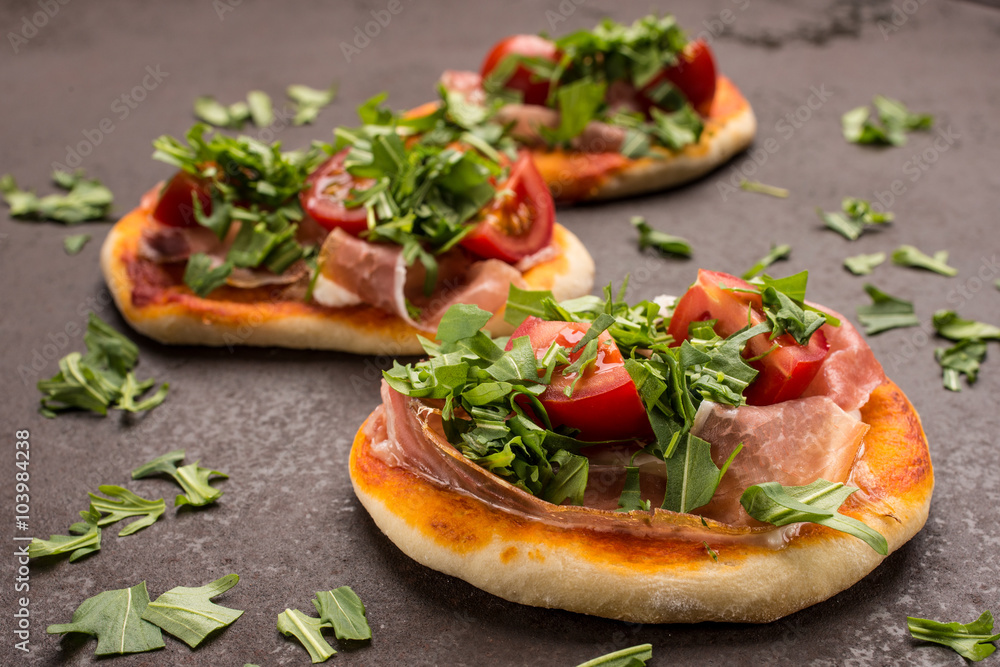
263 317
658 579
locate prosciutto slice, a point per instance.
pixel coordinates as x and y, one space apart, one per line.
794 443
377 273
850 372
406 433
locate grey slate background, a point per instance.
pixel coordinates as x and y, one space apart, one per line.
281 422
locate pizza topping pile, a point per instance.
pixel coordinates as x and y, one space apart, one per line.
407 213
616 88
608 405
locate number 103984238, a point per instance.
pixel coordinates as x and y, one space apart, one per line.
22 457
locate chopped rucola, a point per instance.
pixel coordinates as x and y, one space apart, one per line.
857 216
83 540
862 265
100 379
633 656
189 613
907 255
972 641
764 189
85 199
126 506
666 244
340 610
963 358
885 312
948 324
894 121
74 243
115 618
777 252
485 387
192 478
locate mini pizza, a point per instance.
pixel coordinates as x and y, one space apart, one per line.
614 111
735 456
359 246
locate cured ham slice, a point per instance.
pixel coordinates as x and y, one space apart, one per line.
850 372
163 244
794 443
378 275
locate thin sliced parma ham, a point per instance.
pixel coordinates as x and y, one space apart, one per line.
376 274
794 443
407 433
850 372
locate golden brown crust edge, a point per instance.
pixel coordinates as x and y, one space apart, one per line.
658 580
177 316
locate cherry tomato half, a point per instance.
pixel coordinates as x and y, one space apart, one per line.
786 371
694 75
328 188
175 207
535 92
605 404
520 219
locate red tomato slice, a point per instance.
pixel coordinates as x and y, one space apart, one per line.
605 404
520 219
175 207
328 188
694 75
535 92
785 372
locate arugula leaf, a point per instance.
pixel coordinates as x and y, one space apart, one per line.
189 613
100 379
761 188
862 265
948 324
692 476
962 358
130 505
84 539
630 500
665 243
969 640
859 215
570 480
343 610
886 312
634 656
200 275
260 107
907 255
210 110
894 118
74 243
818 502
310 101
85 199
788 316
309 631
777 252
192 478
578 103
115 618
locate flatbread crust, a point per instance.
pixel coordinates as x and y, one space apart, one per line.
578 176
154 300
658 579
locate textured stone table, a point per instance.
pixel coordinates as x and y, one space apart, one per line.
103 79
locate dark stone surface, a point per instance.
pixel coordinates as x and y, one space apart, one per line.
280 422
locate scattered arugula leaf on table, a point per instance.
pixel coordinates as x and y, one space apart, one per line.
129 505
818 503
100 379
666 244
74 243
345 612
857 216
83 540
894 121
309 101
948 324
633 656
189 613
85 199
908 255
260 107
309 631
886 312
963 358
862 265
115 618
763 189
192 478
969 640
